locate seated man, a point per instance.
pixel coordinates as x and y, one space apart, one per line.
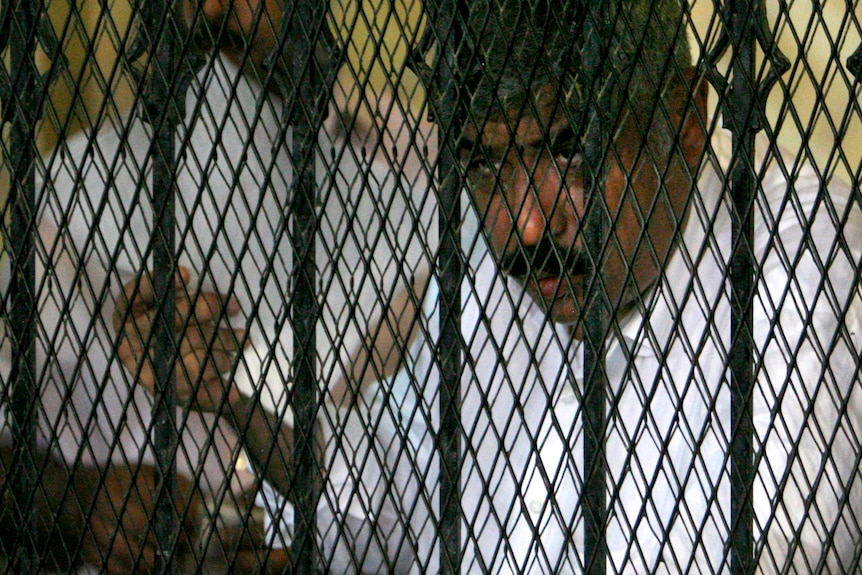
234 178
522 468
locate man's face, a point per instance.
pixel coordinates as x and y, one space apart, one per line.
250 26
526 179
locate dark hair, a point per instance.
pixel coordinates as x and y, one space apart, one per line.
522 46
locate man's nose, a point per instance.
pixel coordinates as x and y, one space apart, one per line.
539 204
240 14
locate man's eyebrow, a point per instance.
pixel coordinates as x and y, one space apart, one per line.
465 144
565 135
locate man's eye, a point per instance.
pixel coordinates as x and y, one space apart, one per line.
568 156
566 150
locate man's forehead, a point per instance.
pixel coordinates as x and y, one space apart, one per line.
528 123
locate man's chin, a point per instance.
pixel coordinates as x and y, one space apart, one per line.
559 306
564 313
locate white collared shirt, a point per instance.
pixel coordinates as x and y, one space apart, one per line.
669 412
233 211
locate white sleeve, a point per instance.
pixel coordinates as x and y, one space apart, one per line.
371 516
73 350
278 517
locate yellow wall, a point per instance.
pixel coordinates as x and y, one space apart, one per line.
91 43
817 38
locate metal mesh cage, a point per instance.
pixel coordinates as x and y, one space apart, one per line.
543 286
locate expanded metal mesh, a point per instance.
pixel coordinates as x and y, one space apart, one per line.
251 322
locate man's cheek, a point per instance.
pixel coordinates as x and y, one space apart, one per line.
494 226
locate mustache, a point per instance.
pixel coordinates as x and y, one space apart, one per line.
545 258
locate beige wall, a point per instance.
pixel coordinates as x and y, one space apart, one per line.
91 44
817 43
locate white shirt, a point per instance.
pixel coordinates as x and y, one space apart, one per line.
669 406
233 212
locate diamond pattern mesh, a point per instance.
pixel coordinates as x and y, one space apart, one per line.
431 287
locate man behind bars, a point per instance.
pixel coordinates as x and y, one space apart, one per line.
96 485
665 270
234 177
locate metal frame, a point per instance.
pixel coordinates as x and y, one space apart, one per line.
744 30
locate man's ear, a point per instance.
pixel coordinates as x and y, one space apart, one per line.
693 102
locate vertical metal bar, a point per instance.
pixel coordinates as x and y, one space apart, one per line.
164 110
448 19
307 483
597 308
165 434
742 104
23 98
854 64
307 21
741 121
451 361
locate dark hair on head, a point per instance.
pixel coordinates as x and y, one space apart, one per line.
522 46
